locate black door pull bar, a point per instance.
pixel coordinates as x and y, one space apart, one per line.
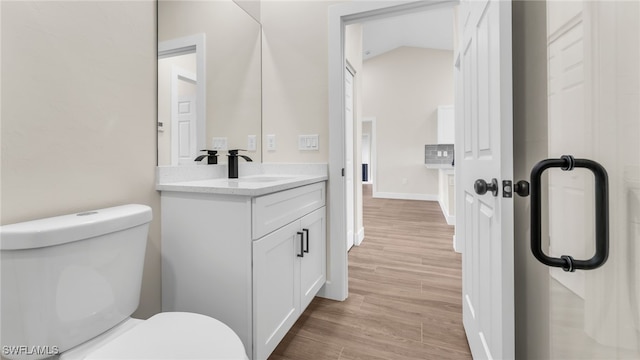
301 235
566 262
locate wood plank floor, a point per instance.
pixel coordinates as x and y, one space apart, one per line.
405 298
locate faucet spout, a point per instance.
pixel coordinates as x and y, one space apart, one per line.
212 157
233 162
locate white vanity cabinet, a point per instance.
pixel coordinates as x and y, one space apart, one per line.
288 270
236 258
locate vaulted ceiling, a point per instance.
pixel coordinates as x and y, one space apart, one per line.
431 29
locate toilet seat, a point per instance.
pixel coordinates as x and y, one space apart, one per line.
175 335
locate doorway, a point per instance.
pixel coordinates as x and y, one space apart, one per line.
181 99
339 17
369 151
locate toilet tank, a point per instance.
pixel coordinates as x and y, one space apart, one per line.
67 279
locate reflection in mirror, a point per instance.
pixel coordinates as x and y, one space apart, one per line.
209 80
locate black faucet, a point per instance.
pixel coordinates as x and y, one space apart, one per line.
212 157
233 162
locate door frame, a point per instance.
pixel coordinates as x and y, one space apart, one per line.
341 15
350 171
195 43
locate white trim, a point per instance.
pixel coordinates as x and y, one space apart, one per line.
186 45
451 219
339 16
456 245
359 237
406 196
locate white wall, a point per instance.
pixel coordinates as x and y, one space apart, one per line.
295 77
402 90
79 114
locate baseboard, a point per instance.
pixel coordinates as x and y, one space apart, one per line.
359 237
405 196
456 246
331 291
451 219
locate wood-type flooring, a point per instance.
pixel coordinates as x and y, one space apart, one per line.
405 298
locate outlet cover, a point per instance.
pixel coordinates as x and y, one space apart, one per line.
251 143
271 142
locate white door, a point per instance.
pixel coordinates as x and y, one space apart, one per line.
184 129
350 190
184 119
484 134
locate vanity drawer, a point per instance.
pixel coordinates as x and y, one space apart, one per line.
270 212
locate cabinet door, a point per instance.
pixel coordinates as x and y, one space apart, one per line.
314 264
276 287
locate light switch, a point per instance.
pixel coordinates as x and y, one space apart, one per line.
219 143
439 153
445 153
308 142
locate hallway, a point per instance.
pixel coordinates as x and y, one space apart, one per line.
404 293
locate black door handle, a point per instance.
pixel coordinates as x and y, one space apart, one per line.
481 187
566 262
301 244
306 231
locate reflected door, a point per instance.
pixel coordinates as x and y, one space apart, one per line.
593 51
184 125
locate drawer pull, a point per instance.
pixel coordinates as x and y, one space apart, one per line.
301 244
306 231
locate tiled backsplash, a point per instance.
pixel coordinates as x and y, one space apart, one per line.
431 153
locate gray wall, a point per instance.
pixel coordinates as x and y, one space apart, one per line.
530 146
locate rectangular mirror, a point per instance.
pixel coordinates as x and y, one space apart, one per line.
209 81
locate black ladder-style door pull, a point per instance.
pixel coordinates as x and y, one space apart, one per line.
301 244
566 262
306 232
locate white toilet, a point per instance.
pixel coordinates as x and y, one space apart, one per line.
70 284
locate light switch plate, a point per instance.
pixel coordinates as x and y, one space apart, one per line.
308 142
219 143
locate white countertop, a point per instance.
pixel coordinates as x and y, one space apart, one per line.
254 185
439 166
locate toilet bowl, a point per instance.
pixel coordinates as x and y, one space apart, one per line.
70 284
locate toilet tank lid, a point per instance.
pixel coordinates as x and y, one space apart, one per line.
73 227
